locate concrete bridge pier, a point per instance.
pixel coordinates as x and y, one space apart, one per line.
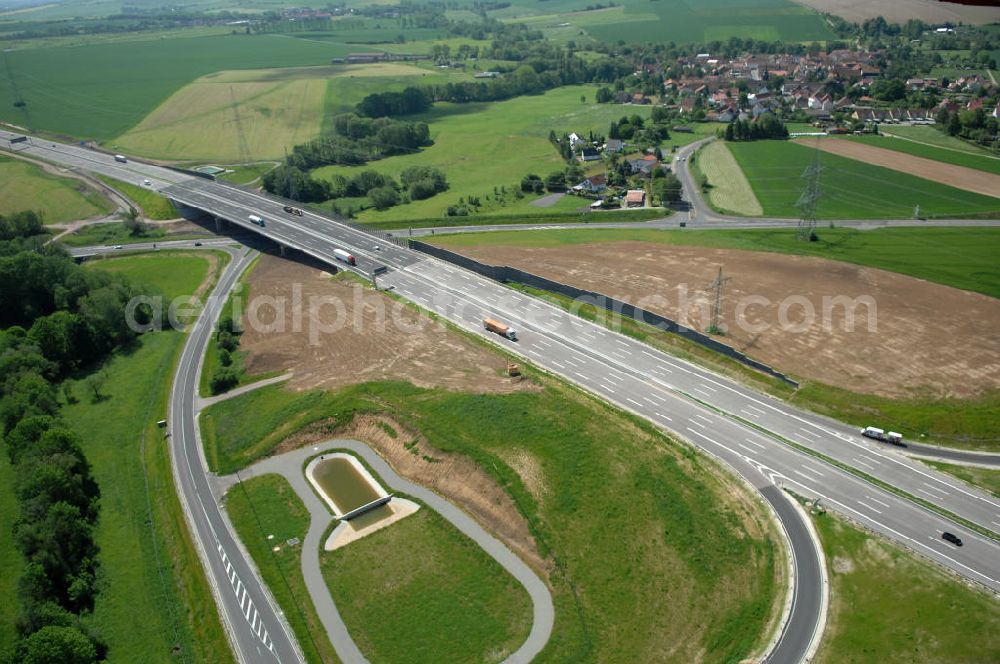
283 251
221 224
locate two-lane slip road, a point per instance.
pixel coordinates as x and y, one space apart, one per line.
256 631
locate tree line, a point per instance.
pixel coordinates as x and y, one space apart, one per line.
55 318
766 126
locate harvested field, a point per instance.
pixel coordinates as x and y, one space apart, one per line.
340 340
928 339
730 190
900 11
960 177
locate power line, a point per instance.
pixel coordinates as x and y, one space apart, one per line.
809 199
717 285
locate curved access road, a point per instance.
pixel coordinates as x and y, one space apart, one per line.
255 627
290 466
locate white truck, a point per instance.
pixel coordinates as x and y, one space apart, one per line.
495 326
885 436
344 256
257 219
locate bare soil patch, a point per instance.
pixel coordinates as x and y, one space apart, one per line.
960 177
332 333
927 339
899 11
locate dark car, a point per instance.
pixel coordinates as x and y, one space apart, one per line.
954 539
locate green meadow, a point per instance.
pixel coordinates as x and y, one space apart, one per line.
482 146
851 189
25 186
691 566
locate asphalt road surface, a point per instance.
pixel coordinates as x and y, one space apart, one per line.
766 441
256 631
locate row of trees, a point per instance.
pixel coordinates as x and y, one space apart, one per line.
358 139
974 125
381 104
766 126
55 318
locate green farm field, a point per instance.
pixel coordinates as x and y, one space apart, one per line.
100 91
685 22
451 602
25 186
931 136
482 146
154 604
982 161
154 206
887 605
268 505
653 585
850 189
173 273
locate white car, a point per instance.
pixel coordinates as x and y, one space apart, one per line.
147 182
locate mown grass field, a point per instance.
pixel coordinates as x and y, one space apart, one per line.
483 146
850 189
682 22
25 186
959 257
981 162
932 136
730 191
451 602
11 561
887 605
154 206
154 604
173 273
629 584
103 89
267 505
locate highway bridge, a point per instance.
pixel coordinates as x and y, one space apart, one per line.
768 443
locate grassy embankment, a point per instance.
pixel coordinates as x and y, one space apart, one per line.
628 583
267 505
934 137
451 601
927 253
483 146
247 173
982 161
851 189
155 604
986 478
729 192
116 233
153 205
25 186
887 605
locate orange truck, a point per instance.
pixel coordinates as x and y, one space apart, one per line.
497 327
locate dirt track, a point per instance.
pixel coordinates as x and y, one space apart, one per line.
929 340
408 346
959 177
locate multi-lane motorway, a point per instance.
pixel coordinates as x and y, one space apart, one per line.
767 442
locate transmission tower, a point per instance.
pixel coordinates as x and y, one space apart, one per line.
717 286
18 99
809 199
240 134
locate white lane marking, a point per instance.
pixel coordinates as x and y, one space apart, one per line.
862 463
875 461
752 451
609 388
702 417
621 356
876 500
710 389
561 366
633 401
809 433
755 409
657 397
808 477
812 470
652 402
869 507
623 343
666 417
934 488
697 422
580 375
748 413
760 448
928 493
698 389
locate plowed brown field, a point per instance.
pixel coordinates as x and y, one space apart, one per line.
925 339
405 346
960 177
